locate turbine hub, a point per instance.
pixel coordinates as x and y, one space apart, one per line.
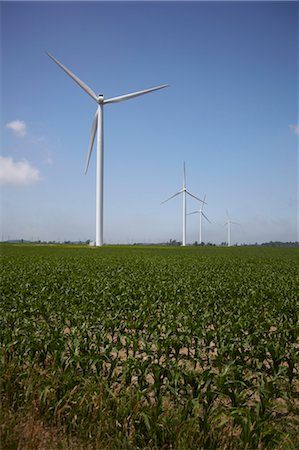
100 98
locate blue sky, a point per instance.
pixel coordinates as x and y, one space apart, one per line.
231 112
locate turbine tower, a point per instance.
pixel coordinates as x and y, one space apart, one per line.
201 215
97 126
228 223
184 192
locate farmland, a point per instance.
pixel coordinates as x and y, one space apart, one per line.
145 347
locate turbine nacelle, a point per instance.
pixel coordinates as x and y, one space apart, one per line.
100 99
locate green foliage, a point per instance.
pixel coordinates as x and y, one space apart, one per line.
131 347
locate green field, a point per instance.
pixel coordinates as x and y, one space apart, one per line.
149 347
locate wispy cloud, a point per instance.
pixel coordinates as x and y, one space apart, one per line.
295 128
48 160
34 145
18 173
18 127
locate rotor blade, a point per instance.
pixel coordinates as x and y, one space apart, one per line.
91 140
235 223
184 176
205 217
133 94
204 200
75 78
171 197
195 197
194 212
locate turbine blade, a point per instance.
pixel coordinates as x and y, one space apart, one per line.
194 212
174 195
205 217
184 176
75 78
134 94
91 140
195 197
204 201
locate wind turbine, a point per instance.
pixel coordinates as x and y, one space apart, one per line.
201 215
184 192
97 125
228 223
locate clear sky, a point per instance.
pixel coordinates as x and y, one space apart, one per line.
231 112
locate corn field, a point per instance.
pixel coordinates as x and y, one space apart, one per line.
149 348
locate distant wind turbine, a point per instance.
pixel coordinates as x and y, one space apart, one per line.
97 125
184 192
201 215
228 223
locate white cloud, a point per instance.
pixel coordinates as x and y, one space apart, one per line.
17 173
18 127
295 128
48 160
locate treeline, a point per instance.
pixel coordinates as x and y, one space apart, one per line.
224 244
171 242
280 244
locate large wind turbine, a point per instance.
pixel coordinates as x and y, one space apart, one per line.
184 192
228 223
201 215
97 125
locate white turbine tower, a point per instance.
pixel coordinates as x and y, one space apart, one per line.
97 125
184 192
201 215
228 223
